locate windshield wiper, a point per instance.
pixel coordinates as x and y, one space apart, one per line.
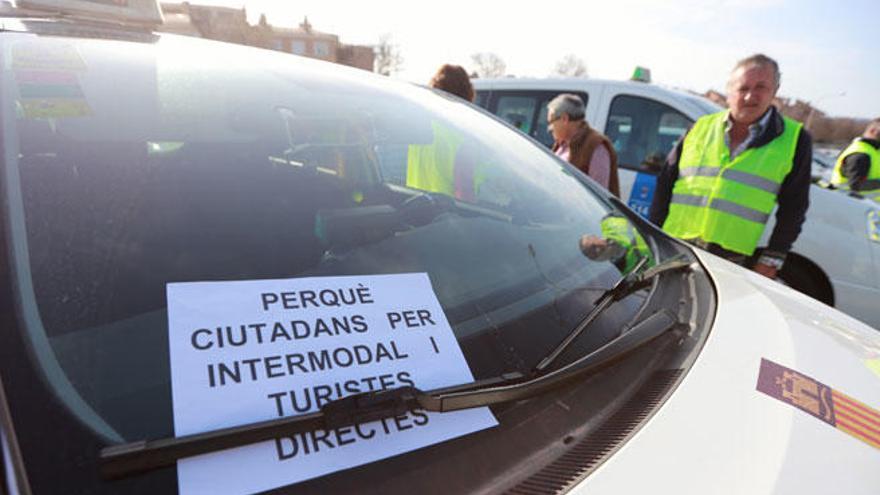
630 282
137 457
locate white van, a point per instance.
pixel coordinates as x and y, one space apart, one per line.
836 259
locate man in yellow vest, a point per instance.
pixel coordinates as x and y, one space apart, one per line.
446 165
858 167
431 167
722 181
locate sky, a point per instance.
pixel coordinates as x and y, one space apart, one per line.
822 46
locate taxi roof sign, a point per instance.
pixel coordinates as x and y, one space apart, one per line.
138 12
641 74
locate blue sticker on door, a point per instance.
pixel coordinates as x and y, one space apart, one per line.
642 193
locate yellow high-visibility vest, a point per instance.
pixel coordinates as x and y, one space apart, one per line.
728 201
859 146
431 167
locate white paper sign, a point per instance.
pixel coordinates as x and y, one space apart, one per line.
249 351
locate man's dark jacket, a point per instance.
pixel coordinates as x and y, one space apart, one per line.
856 166
793 196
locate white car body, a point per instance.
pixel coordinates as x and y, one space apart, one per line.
712 429
718 434
835 254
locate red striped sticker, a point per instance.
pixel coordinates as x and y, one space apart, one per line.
821 401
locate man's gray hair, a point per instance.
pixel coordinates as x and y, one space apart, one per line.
566 103
761 60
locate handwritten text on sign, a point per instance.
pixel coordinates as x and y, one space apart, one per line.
248 351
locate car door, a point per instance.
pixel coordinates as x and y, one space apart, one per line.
643 131
873 227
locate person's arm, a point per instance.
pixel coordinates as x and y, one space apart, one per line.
793 199
600 165
665 181
855 168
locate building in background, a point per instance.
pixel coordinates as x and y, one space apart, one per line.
231 25
304 40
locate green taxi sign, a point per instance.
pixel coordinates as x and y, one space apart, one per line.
641 74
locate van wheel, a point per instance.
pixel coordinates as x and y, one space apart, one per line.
806 277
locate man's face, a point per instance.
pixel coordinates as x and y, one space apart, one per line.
559 126
750 92
873 132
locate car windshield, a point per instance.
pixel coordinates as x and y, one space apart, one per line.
128 167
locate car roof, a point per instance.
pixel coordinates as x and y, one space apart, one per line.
696 104
53 28
73 28
561 83
142 14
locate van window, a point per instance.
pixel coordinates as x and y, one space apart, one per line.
527 111
481 99
644 131
518 111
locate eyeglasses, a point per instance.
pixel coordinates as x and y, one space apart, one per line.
554 119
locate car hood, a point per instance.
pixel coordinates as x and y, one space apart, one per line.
718 433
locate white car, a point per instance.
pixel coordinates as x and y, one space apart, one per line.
214 278
836 259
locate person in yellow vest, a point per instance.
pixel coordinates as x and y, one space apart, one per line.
858 166
444 165
721 182
431 167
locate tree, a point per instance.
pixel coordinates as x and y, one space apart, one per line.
571 66
845 129
388 58
822 129
488 64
